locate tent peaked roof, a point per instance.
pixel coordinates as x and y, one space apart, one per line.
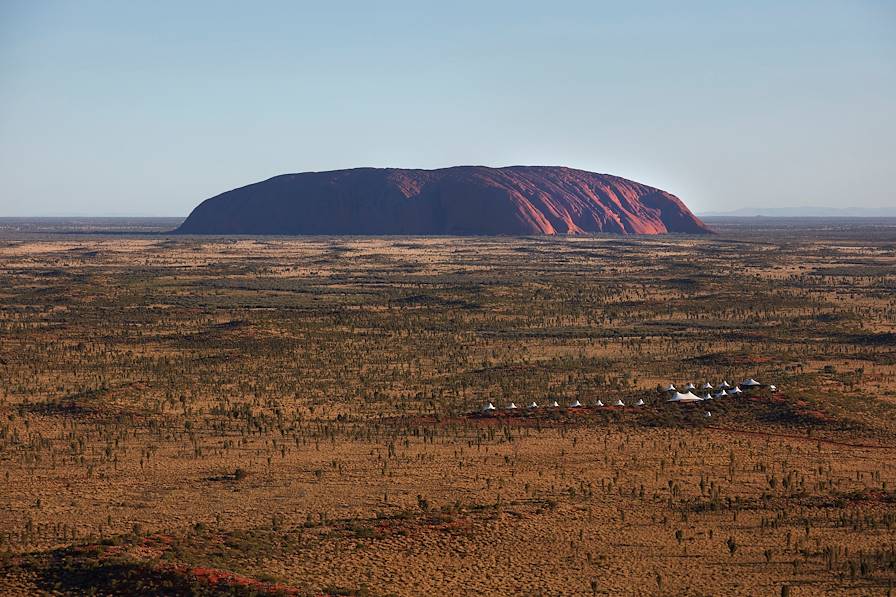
751 383
619 403
512 406
689 397
575 404
488 406
640 402
533 405
599 403
671 388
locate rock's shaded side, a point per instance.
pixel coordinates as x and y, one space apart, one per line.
464 200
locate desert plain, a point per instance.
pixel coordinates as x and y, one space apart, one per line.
303 416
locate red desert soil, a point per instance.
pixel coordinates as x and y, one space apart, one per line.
816 440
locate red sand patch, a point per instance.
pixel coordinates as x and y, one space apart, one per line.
216 577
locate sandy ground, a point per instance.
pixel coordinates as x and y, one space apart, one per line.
139 374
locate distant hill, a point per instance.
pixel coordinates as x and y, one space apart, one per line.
805 212
464 200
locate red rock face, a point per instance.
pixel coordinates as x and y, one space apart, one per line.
465 200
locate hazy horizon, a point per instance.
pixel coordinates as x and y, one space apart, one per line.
145 110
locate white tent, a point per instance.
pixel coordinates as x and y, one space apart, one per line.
554 404
512 406
689 397
489 406
619 403
735 391
773 388
725 385
707 414
533 405
599 403
690 387
706 397
575 404
720 394
751 383
671 388
640 402
707 386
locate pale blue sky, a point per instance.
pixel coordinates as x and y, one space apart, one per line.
147 108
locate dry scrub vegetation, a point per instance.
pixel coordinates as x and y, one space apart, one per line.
293 416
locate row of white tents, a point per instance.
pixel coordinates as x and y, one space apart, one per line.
554 404
723 390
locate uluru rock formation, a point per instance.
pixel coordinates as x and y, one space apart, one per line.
464 200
